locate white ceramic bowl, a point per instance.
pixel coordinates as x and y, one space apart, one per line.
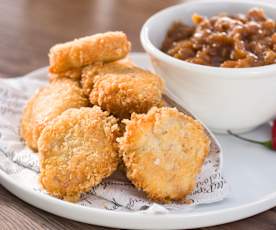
223 98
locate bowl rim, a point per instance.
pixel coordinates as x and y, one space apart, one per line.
235 72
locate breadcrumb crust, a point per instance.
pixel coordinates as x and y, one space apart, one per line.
77 151
47 103
122 88
163 151
102 47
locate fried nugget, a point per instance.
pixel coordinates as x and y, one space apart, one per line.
122 88
163 151
104 47
74 74
77 151
89 72
49 102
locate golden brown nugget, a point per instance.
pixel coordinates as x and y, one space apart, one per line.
105 47
74 74
49 102
122 88
77 151
163 151
89 72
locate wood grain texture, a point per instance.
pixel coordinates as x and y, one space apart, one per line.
16 214
28 28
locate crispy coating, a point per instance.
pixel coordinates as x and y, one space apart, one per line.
89 72
122 88
163 151
88 77
49 102
74 74
105 47
77 151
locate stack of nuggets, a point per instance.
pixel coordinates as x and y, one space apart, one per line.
75 123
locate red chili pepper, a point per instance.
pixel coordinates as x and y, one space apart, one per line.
271 144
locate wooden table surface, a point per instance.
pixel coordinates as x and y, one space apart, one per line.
28 28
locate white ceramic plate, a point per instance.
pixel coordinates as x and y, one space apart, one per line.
249 169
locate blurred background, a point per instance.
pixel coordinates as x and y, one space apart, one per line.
28 28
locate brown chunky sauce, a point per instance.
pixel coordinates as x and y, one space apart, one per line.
234 41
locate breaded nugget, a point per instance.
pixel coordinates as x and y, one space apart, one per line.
89 72
49 102
77 151
74 74
163 151
104 47
122 88
87 77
